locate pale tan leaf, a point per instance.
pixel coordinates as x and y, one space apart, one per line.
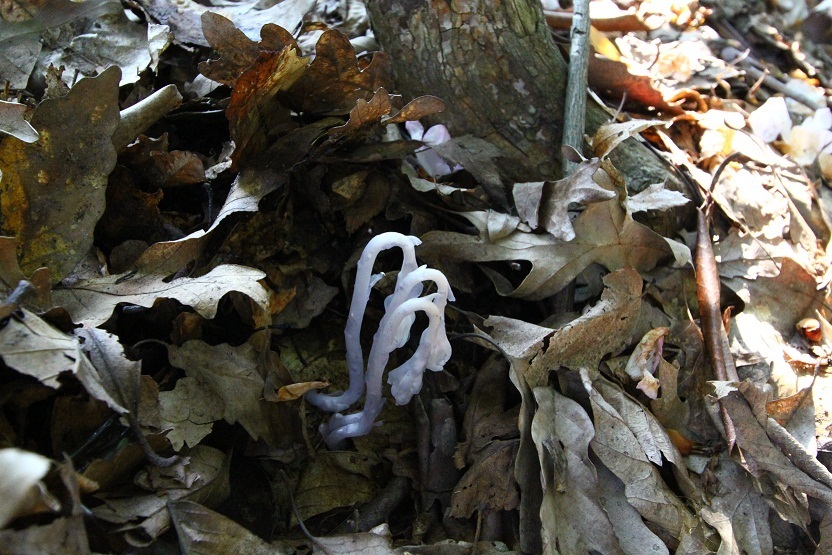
610 135
92 301
549 200
202 531
233 375
617 446
21 489
188 412
375 542
604 329
32 347
605 234
571 513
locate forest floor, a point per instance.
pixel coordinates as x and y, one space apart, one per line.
185 195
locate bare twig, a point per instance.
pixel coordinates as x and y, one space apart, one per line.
574 121
707 292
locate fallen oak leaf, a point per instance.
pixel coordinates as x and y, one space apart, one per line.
548 201
92 301
604 234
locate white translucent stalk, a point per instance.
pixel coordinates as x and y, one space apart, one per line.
364 280
432 353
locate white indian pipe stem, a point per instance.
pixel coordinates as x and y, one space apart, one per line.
360 297
383 344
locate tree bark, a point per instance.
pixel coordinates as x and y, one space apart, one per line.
496 66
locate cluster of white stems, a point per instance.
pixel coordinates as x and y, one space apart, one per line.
401 308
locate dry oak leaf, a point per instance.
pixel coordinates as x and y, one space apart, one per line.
610 135
548 201
233 376
604 234
52 191
237 51
571 513
201 530
620 449
92 301
253 109
32 347
334 81
13 123
604 329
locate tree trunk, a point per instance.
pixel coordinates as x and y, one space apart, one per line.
496 66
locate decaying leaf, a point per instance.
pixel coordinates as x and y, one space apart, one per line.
13 123
548 202
203 479
610 135
572 516
92 301
604 234
334 81
201 530
49 205
21 473
604 329
32 347
188 412
629 457
335 479
377 541
232 375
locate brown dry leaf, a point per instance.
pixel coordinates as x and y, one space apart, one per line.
419 107
70 162
613 79
297 390
486 417
335 479
232 374
365 114
254 110
179 167
489 483
143 516
119 376
237 52
335 82
32 347
610 135
201 530
92 301
131 214
604 329
188 412
620 445
572 516
377 541
490 446
548 201
760 454
168 257
738 511
605 234
13 123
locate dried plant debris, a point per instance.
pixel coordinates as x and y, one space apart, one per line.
186 189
